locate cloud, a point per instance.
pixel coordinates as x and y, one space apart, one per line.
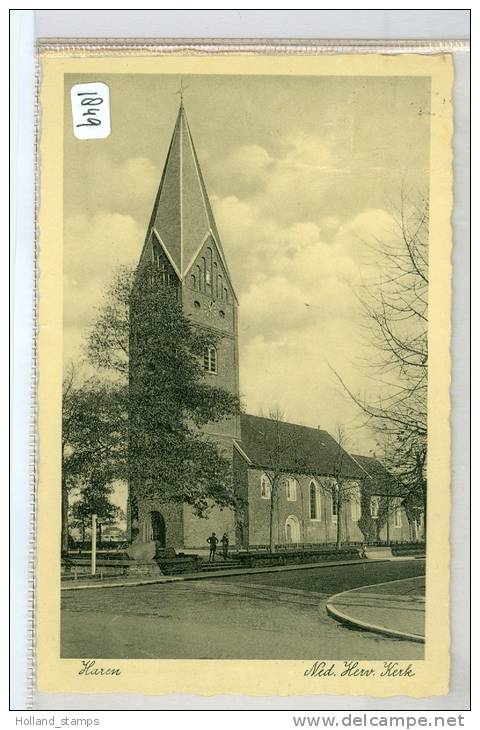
298 312
294 373
290 186
294 226
93 248
243 171
127 187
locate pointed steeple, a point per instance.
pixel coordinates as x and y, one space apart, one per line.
182 217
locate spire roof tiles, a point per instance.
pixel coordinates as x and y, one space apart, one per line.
182 217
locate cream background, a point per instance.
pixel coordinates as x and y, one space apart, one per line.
61 675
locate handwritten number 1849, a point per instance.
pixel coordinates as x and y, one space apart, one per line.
91 110
90 115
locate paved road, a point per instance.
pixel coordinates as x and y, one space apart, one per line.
264 616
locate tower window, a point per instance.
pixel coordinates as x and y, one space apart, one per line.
222 314
193 281
196 304
210 359
208 277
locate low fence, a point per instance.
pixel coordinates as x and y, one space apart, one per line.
74 566
105 546
118 564
329 546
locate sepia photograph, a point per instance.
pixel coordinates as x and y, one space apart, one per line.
244 373
245 369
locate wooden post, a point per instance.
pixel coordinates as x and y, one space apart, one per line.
94 544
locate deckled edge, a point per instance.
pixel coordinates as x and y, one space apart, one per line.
33 431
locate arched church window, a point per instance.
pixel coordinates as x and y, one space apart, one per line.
314 502
265 487
355 504
210 359
225 294
334 497
291 488
193 281
397 517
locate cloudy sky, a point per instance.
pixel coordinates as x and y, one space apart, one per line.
301 172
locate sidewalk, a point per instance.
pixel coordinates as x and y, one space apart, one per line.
396 608
125 581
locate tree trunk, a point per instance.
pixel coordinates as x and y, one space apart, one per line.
99 533
424 514
339 521
64 537
272 546
388 521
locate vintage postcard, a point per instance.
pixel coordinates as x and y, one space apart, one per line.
244 371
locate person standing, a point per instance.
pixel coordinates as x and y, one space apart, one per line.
213 542
224 542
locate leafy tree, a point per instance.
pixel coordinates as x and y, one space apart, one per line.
142 333
95 500
94 436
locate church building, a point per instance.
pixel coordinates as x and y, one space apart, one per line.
183 241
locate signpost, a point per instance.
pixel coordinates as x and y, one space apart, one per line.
94 544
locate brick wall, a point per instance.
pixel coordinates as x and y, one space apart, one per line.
197 529
320 529
172 515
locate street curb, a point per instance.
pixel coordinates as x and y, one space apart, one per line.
343 618
220 574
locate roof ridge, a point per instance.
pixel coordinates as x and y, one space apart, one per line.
290 423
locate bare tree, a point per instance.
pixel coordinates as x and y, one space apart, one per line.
341 488
281 453
395 305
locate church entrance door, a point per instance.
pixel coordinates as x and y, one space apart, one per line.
292 530
158 528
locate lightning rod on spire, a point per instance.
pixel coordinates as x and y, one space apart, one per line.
181 90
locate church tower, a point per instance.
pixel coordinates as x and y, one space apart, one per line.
182 240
